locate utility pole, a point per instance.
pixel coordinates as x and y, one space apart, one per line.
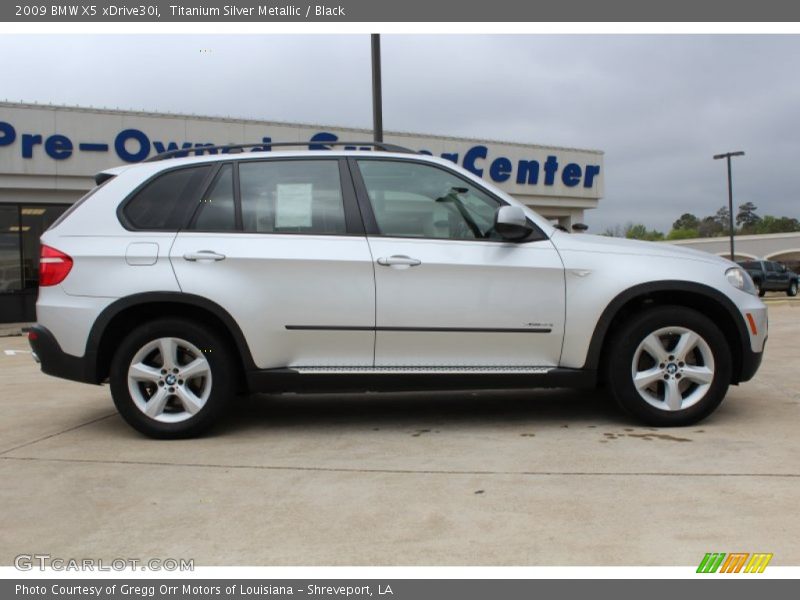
377 109
727 156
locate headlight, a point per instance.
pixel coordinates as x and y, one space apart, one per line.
740 279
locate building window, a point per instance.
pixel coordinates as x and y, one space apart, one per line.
21 226
10 256
34 221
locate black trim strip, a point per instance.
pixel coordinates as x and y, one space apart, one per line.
352 212
237 199
280 380
362 197
417 329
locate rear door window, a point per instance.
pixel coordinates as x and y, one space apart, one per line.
217 210
292 196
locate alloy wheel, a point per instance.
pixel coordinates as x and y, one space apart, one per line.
169 379
673 368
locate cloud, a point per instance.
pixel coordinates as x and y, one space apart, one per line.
659 106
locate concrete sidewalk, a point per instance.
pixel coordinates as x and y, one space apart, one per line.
516 478
13 329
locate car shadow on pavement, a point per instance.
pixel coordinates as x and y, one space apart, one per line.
464 408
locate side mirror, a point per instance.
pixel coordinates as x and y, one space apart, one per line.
511 223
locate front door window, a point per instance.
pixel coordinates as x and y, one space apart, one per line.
415 200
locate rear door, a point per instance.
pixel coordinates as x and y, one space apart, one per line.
782 276
450 291
279 244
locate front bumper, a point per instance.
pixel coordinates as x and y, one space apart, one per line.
55 361
751 361
756 329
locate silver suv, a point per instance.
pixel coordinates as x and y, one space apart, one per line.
183 282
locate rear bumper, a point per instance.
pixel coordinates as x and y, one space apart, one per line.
55 361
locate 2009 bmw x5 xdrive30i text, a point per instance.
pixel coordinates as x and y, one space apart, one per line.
182 282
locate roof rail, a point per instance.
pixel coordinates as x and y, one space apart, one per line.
264 146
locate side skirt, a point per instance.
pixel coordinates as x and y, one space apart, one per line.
396 379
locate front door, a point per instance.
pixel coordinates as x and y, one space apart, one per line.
449 291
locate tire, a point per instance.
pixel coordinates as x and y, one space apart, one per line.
185 402
760 288
792 291
676 391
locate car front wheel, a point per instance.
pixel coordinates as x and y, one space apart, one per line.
792 291
172 378
669 366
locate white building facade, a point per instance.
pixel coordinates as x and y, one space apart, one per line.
50 154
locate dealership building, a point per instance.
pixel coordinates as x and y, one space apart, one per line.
50 154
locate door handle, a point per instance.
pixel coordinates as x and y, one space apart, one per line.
203 255
400 261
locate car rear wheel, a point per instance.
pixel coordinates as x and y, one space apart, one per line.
792 291
669 366
172 378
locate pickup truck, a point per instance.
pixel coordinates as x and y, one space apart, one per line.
771 276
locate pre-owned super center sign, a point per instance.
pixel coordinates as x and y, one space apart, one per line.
70 142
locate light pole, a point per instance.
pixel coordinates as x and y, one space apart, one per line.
377 109
727 156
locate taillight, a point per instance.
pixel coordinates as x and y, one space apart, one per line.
54 266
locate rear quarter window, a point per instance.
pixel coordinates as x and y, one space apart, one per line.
166 202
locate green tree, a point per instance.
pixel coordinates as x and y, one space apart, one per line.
770 224
683 234
640 232
747 219
709 227
686 221
723 217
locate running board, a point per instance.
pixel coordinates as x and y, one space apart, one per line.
421 370
361 379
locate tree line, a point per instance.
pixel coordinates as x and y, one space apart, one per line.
689 226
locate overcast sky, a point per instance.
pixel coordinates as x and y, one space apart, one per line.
658 106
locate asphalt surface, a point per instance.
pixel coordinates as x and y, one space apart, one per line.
542 477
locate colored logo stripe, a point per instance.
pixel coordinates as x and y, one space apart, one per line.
711 562
734 563
758 562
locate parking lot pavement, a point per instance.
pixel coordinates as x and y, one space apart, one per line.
515 478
